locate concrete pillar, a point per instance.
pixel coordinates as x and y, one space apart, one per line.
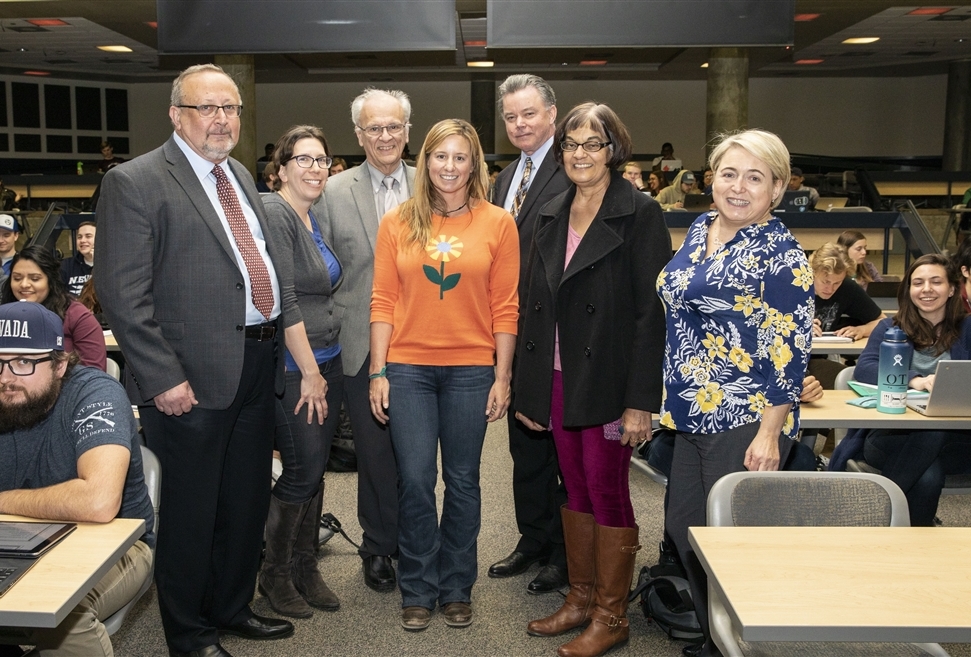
727 103
483 115
240 68
957 117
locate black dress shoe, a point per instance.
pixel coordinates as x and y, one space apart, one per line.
517 562
551 578
214 650
379 574
260 628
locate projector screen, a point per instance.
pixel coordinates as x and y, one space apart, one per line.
639 23
281 26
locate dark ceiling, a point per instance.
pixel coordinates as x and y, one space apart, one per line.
908 45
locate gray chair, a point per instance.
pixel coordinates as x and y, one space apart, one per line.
778 499
842 383
153 481
113 369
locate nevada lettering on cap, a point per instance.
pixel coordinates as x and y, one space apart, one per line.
14 328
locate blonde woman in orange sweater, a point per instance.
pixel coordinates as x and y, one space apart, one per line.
444 314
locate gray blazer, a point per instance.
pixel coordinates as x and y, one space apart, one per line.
352 228
304 279
168 280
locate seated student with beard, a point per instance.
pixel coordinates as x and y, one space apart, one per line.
68 452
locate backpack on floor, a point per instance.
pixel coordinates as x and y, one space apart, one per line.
666 599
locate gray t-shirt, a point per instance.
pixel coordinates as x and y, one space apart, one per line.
92 410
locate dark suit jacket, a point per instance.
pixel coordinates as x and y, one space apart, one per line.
549 181
605 302
168 280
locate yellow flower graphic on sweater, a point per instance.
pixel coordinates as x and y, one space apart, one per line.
445 249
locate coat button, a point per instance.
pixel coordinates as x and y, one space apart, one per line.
530 346
239 286
586 352
590 267
538 306
590 308
239 327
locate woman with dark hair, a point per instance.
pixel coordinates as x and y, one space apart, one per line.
443 330
932 315
864 271
589 363
656 181
35 276
308 414
961 264
739 305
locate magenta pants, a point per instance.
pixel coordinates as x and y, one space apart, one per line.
595 469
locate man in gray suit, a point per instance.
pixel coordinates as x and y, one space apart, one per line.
356 200
187 282
527 105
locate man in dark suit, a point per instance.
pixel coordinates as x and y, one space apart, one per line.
187 282
356 200
528 108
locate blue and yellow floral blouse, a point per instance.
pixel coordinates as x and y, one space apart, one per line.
739 327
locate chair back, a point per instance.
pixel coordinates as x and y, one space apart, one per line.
152 470
806 499
844 377
113 369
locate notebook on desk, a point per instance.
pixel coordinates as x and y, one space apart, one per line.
795 201
22 544
951 395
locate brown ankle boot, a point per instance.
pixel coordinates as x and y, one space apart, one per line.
616 548
306 574
578 536
282 524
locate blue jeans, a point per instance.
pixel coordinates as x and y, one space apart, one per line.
432 405
304 448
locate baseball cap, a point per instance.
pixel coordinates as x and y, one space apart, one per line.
795 172
688 178
29 328
7 222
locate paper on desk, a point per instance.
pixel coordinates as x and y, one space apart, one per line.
832 338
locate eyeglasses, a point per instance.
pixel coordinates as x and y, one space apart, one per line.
22 366
207 111
588 146
375 131
305 161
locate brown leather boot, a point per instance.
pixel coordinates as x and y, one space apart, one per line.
616 548
578 536
282 524
306 575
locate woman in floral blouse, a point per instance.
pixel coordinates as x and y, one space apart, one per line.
739 305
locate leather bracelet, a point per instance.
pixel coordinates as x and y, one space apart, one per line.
379 375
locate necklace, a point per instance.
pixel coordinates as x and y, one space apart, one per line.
714 235
448 212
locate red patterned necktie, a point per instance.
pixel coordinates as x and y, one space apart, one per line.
259 277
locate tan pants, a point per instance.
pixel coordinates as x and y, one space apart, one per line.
82 634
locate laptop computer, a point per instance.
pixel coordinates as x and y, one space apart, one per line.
699 202
951 395
22 544
795 201
831 202
882 289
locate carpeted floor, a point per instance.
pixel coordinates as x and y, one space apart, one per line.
368 622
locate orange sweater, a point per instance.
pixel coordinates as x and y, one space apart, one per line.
446 300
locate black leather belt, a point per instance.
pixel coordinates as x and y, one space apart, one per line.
262 332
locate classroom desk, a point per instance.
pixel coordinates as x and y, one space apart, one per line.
63 576
854 348
111 343
883 584
832 412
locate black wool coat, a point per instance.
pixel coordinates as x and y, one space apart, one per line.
605 303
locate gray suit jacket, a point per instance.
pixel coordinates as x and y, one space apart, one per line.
351 227
168 280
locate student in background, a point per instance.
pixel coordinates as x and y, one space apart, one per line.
76 270
863 271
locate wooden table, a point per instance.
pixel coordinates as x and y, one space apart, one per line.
111 343
832 412
63 576
883 584
854 348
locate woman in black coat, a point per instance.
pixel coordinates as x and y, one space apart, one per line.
589 362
